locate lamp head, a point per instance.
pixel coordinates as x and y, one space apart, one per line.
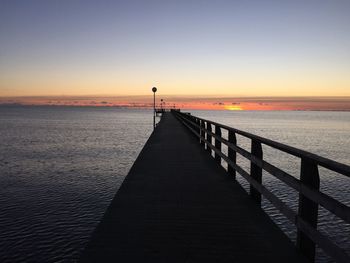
154 89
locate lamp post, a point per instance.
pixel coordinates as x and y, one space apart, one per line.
154 89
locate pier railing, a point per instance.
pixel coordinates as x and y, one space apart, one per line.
308 186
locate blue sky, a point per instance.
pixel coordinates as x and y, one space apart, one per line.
188 47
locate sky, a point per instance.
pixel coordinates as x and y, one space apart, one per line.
186 48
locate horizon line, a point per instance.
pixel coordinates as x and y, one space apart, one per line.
173 95
151 107
319 103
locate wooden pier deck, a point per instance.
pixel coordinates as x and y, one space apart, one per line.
178 205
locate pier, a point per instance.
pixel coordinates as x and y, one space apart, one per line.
179 204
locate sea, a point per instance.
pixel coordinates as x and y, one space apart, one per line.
60 167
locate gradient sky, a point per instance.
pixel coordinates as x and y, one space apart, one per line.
204 48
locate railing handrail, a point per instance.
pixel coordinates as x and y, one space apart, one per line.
326 201
307 186
324 162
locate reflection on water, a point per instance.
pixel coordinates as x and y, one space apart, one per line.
61 166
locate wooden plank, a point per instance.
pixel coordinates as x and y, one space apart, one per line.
178 205
202 132
231 153
331 204
308 209
322 161
325 243
255 170
309 198
217 144
209 136
280 205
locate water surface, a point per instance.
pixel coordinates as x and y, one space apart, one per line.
61 166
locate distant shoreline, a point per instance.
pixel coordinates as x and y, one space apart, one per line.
13 105
190 103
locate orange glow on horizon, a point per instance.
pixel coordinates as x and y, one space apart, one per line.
191 103
233 107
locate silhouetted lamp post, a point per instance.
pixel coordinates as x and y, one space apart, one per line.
154 89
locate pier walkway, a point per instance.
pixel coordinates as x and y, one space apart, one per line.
178 205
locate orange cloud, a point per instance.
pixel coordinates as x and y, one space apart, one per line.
206 103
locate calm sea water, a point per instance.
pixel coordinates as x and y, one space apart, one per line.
61 166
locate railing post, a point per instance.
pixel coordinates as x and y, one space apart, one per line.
208 137
231 153
308 209
202 132
191 119
256 171
198 126
217 144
